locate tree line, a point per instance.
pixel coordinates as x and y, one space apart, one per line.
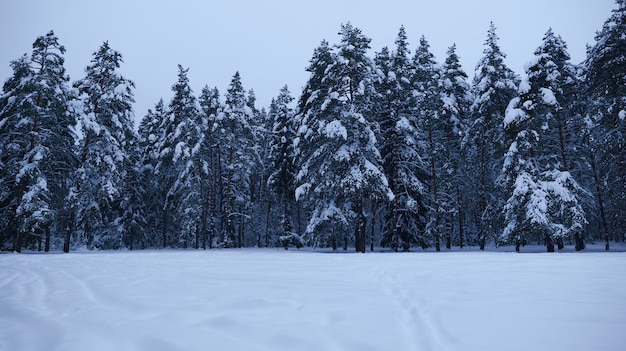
396 150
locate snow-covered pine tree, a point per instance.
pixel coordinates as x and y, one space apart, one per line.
234 139
493 88
150 136
430 124
16 105
605 90
133 219
342 172
37 135
400 148
264 211
210 106
457 99
544 202
281 161
107 128
185 166
258 173
307 139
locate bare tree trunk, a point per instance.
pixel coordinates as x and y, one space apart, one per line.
373 226
596 179
47 242
361 228
68 233
549 243
449 228
460 216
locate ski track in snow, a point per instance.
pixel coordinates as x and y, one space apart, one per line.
275 300
420 326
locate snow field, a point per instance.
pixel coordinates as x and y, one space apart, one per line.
276 300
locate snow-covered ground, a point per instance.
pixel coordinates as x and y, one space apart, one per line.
277 300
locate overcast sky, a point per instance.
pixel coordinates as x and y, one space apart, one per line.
270 42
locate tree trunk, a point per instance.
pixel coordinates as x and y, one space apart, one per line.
559 243
164 234
240 229
47 243
361 231
68 233
449 228
460 216
268 215
204 216
482 204
549 243
373 226
580 243
596 179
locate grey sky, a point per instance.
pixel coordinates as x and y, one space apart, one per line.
270 42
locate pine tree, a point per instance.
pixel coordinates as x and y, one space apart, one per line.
605 92
545 200
133 222
307 139
341 172
234 137
493 87
281 160
182 166
258 175
210 107
36 130
15 105
430 124
150 136
457 99
107 128
400 148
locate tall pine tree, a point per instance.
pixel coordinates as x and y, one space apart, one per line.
605 90
544 202
342 171
104 151
400 148
282 161
493 88
36 131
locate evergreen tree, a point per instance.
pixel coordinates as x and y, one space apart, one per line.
545 200
108 136
133 222
493 87
605 92
15 105
341 171
431 128
234 137
400 148
36 131
258 175
457 99
281 161
182 165
210 107
311 100
149 138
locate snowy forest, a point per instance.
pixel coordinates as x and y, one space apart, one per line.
393 149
